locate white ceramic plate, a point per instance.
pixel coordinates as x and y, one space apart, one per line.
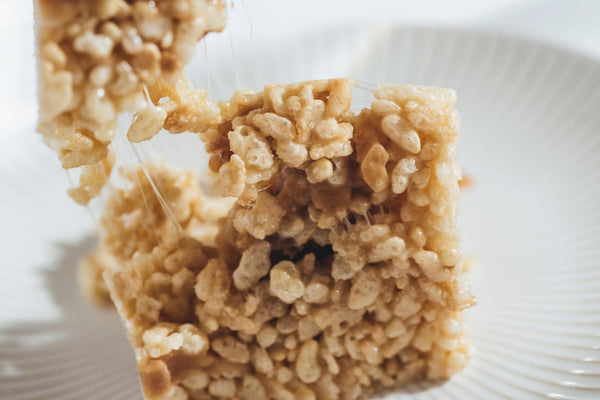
530 141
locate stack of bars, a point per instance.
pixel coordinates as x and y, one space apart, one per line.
330 268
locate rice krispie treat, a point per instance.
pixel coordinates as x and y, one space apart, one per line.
96 56
338 270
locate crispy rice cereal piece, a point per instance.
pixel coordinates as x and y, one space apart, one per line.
95 56
337 273
93 178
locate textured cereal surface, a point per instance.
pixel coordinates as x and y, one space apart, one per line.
95 58
336 273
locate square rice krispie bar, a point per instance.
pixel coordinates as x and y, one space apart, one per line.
337 271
